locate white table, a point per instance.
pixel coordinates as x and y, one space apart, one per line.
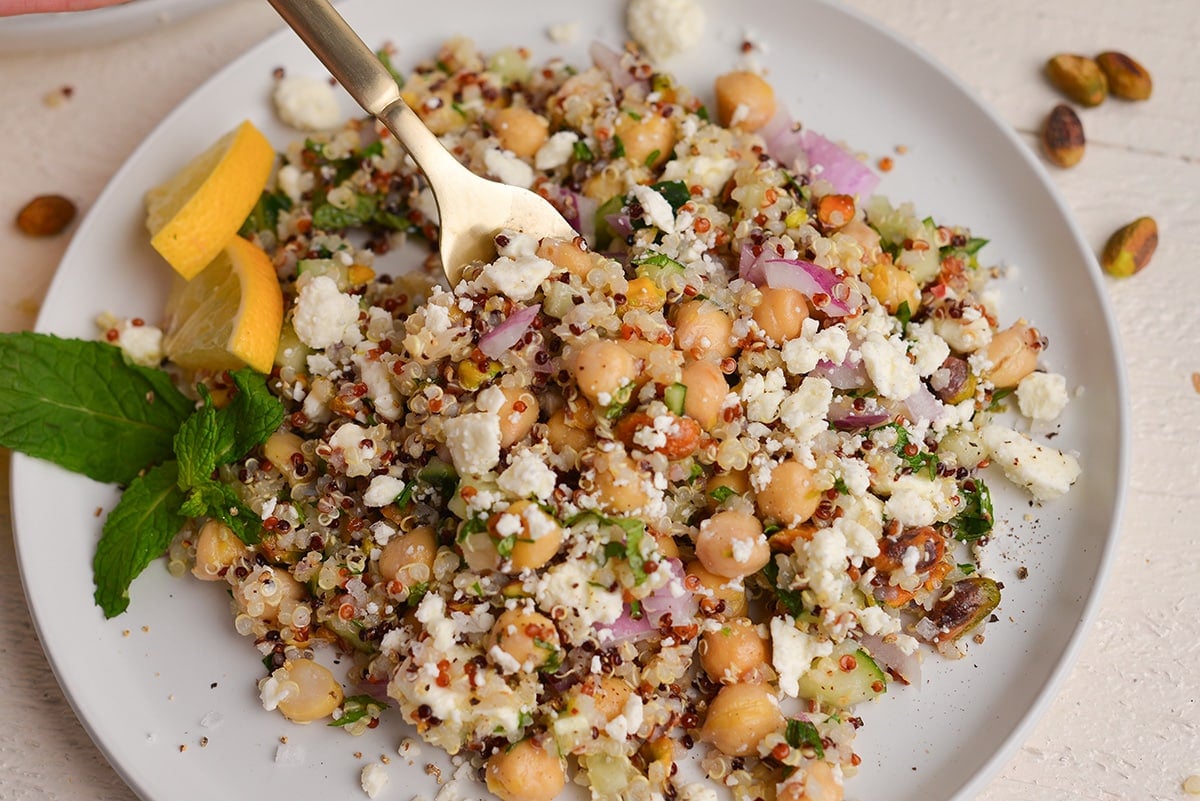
1126 724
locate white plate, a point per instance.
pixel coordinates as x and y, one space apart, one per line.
172 671
70 29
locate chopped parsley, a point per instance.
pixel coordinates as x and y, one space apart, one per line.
975 520
357 707
722 494
801 733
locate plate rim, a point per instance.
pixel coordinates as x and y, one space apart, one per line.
1089 608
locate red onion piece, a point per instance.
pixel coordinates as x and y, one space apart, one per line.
663 601
845 417
847 375
509 332
830 162
750 266
609 60
785 141
621 224
891 657
829 294
922 405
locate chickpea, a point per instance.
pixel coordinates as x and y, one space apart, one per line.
790 496
726 595
744 100
732 544
282 449
217 549
270 587
736 480
528 637
525 772
816 782
740 716
317 692
561 434
570 254
608 182
517 415
702 330
1013 354
893 286
648 139
867 237
733 653
609 694
780 313
667 547
618 482
706 391
408 558
520 130
602 368
538 535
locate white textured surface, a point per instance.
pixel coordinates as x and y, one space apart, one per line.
1126 724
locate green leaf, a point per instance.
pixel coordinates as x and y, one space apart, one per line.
80 405
903 314
137 531
582 152
214 437
618 148
976 518
722 494
211 498
801 733
974 245
651 157
630 549
675 398
676 193
265 214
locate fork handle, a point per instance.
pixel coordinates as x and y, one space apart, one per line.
357 68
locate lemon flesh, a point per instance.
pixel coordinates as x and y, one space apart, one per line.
195 213
228 316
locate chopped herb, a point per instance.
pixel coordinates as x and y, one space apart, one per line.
406 494
635 115
630 550
472 525
702 113
801 733
386 59
967 568
371 150
635 610
903 314
916 462
998 397
620 400
462 112
505 545
417 592
839 484
328 217
618 149
582 151
722 494
652 157
357 707
974 245
676 193
975 520
789 599
265 214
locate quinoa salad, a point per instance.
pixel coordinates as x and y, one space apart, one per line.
691 487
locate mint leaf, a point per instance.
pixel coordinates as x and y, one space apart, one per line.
976 518
214 437
137 531
80 405
800 733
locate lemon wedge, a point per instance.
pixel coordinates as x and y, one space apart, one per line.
229 315
193 215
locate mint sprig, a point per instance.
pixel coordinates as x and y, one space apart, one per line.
136 532
80 405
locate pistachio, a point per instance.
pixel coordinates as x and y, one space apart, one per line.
1078 77
1062 136
1127 79
1129 250
46 215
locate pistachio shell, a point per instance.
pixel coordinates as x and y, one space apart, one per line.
1078 77
1127 78
1062 136
1129 249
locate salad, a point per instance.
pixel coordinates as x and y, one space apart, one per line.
700 481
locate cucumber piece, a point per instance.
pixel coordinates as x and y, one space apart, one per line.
830 683
656 266
674 397
332 268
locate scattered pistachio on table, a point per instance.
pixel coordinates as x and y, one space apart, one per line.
1127 79
1129 249
1078 77
1062 136
46 215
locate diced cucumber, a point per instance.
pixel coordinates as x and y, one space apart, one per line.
674 397
657 266
604 231
333 268
291 351
829 682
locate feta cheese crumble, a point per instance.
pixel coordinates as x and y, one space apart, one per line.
306 103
